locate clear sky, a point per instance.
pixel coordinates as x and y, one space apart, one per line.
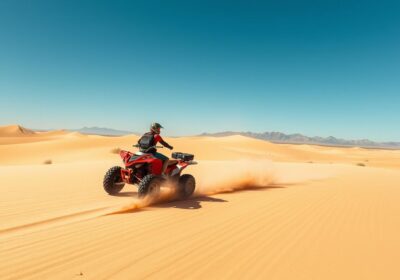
315 67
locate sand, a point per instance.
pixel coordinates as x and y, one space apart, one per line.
261 211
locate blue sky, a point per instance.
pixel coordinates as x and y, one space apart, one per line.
314 67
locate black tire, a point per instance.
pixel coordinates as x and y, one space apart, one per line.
150 185
112 182
186 185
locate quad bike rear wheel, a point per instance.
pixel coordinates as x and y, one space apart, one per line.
112 182
186 185
150 185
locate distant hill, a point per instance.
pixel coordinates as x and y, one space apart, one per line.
279 137
102 131
15 131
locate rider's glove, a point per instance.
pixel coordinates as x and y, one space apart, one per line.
171 148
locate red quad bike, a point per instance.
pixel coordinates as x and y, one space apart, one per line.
143 169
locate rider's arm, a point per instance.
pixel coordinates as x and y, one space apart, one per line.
165 144
158 138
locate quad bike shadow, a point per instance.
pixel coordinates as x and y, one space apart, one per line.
191 203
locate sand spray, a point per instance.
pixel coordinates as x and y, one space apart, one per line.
213 177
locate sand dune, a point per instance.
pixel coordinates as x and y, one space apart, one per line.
16 134
15 131
260 211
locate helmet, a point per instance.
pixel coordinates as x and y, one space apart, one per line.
156 127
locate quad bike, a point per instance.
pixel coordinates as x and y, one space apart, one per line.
144 170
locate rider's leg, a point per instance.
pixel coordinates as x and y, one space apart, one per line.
165 161
164 167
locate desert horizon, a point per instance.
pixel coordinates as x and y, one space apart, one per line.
271 136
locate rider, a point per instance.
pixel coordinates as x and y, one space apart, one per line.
150 139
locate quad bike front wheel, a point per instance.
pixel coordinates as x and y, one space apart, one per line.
150 185
186 185
112 182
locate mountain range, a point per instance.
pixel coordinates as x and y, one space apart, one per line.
279 137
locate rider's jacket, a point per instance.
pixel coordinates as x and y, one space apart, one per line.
149 140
